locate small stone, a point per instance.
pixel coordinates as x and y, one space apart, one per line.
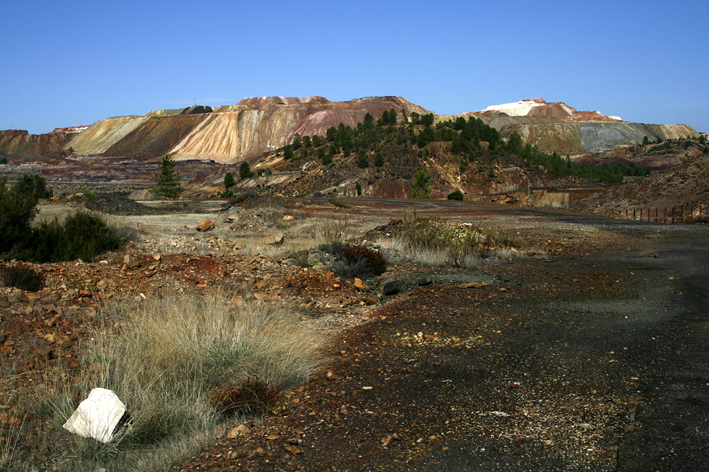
359 285
330 375
206 225
288 218
473 285
292 449
273 239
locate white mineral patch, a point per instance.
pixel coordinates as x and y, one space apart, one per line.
520 108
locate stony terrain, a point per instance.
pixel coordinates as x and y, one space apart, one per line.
585 354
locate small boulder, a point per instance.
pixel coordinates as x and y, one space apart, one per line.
359 285
98 416
288 218
206 225
393 287
273 239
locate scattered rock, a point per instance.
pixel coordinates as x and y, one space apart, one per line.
288 218
206 225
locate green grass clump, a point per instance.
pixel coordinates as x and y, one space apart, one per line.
179 365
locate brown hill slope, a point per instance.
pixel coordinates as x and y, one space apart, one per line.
20 142
685 185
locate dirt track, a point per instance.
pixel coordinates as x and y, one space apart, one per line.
592 357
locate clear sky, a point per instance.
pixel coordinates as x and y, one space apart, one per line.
67 63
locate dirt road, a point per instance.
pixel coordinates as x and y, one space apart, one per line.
590 356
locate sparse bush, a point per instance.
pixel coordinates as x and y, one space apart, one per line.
456 195
22 277
227 193
81 235
3 160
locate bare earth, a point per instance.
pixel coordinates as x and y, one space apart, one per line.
589 354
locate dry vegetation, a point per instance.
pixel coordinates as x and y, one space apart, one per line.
169 359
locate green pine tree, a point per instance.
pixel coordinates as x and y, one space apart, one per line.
168 181
421 186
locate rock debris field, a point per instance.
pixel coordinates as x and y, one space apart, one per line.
587 354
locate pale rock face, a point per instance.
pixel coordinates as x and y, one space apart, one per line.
97 416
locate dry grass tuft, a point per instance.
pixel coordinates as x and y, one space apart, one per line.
167 362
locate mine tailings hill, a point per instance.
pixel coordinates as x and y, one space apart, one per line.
553 134
20 142
258 125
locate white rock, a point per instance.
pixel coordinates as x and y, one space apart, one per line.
97 416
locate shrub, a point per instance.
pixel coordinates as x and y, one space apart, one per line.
24 278
251 396
82 236
245 171
33 184
456 195
368 261
17 209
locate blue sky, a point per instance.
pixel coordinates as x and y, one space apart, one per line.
67 63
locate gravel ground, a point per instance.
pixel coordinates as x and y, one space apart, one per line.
591 357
